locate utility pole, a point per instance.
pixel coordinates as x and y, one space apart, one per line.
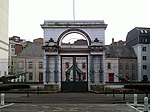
73 9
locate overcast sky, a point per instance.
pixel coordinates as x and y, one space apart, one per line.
25 16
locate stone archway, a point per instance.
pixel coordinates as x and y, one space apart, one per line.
74 30
54 52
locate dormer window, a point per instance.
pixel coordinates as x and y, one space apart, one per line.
141 31
145 31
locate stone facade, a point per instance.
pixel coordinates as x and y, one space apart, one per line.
120 64
28 64
55 32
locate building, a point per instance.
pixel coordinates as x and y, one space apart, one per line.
16 45
120 64
139 39
74 67
120 42
39 40
29 63
4 40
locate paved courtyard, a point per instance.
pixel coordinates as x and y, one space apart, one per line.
70 102
23 107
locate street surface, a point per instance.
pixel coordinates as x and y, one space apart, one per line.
20 107
70 102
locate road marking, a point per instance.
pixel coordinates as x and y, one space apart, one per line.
45 106
6 105
134 107
74 109
34 105
57 109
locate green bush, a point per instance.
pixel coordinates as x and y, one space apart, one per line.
139 87
7 87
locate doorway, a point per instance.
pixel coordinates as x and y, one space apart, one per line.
74 74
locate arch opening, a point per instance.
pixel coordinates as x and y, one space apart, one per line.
74 39
73 35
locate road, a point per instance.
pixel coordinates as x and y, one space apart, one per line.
70 102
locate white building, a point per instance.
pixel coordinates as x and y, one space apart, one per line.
139 39
4 40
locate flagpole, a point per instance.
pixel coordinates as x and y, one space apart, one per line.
73 10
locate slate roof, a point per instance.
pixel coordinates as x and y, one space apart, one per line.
116 51
32 50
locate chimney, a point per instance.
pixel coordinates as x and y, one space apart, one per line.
112 40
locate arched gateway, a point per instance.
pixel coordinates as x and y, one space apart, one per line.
73 66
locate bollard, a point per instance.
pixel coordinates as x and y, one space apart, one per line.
145 104
2 99
146 93
38 90
105 92
124 95
28 93
113 93
135 100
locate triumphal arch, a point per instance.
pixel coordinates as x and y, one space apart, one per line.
73 54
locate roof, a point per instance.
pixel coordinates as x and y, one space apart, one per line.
116 51
73 23
33 50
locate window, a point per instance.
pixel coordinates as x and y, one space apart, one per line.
109 65
145 31
127 76
30 76
20 64
12 46
84 76
67 64
144 49
127 66
40 77
133 76
142 31
144 66
133 66
5 73
111 77
144 57
120 66
30 64
83 65
40 64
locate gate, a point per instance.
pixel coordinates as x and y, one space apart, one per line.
74 74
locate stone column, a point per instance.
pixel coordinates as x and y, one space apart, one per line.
101 69
47 70
91 69
56 69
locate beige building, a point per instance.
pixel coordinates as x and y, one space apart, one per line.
120 64
4 40
29 63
